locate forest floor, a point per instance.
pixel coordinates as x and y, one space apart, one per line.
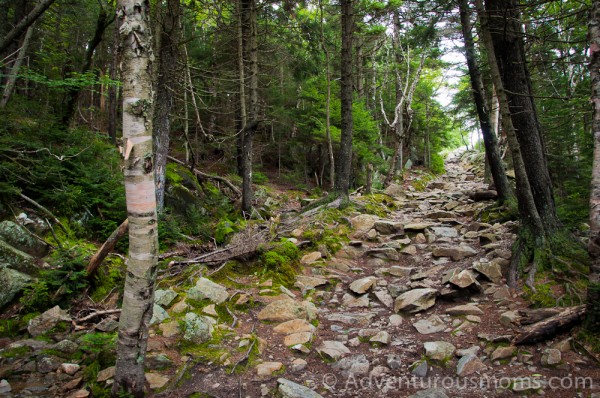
413 305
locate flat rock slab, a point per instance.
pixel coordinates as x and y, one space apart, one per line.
363 285
333 349
433 324
466 309
439 350
46 321
294 326
357 319
207 289
415 300
268 368
283 310
289 389
310 282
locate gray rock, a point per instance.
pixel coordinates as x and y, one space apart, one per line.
420 368
415 300
164 297
352 301
289 389
385 298
394 361
551 357
333 349
509 318
363 285
207 289
48 364
473 350
107 325
198 329
396 289
16 259
384 253
5 387
439 350
283 310
417 227
445 232
491 271
467 309
46 321
457 253
381 337
433 324
309 282
66 346
354 319
503 353
12 282
396 270
430 393
465 279
386 227
19 238
159 314
354 365
468 365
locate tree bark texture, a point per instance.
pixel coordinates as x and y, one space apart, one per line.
168 61
592 321
344 162
140 197
252 125
507 36
490 140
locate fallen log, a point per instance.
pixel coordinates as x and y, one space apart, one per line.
550 327
531 316
107 247
478 196
225 181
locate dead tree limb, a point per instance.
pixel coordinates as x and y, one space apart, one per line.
225 181
550 327
107 247
46 211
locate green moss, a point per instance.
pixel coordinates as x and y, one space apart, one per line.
108 278
16 352
543 297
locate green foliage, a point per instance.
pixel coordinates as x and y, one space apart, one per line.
108 277
96 343
437 164
58 284
223 229
259 177
279 262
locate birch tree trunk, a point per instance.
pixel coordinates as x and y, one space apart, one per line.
592 322
140 197
327 104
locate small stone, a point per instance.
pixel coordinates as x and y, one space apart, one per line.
396 320
170 329
464 279
48 320
433 324
381 337
107 325
385 298
439 350
156 380
289 389
311 258
415 300
430 393
69 368
551 357
410 250
180 307
473 350
47 364
420 369
207 289
5 387
468 365
297 338
309 282
467 309
298 365
473 318
503 353
159 314
83 393
351 301
106 374
355 365
394 361
363 285
198 329
491 271
164 297
282 310
509 317
66 346
396 270
294 326
386 227
268 368
333 349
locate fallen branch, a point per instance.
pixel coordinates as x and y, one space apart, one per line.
77 322
225 181
46 211
107 247
247 355
550 327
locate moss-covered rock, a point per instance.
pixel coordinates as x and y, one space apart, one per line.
16 236
11 283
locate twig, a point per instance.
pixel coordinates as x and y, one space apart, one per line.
43 209
225 181
247 355
53 233
97 314
235 319
217 270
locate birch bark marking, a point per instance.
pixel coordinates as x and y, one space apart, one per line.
140 197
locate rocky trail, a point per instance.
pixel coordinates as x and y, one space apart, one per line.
414 305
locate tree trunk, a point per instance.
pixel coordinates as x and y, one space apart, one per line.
104 20
24 23
14 70
533 232
243 119
592 321
140 197
507 36
168 59
344 163
113 89
328 104
490 140
248 133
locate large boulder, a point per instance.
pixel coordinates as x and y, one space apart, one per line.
45 322
11 283
198 329
19 238
16 259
